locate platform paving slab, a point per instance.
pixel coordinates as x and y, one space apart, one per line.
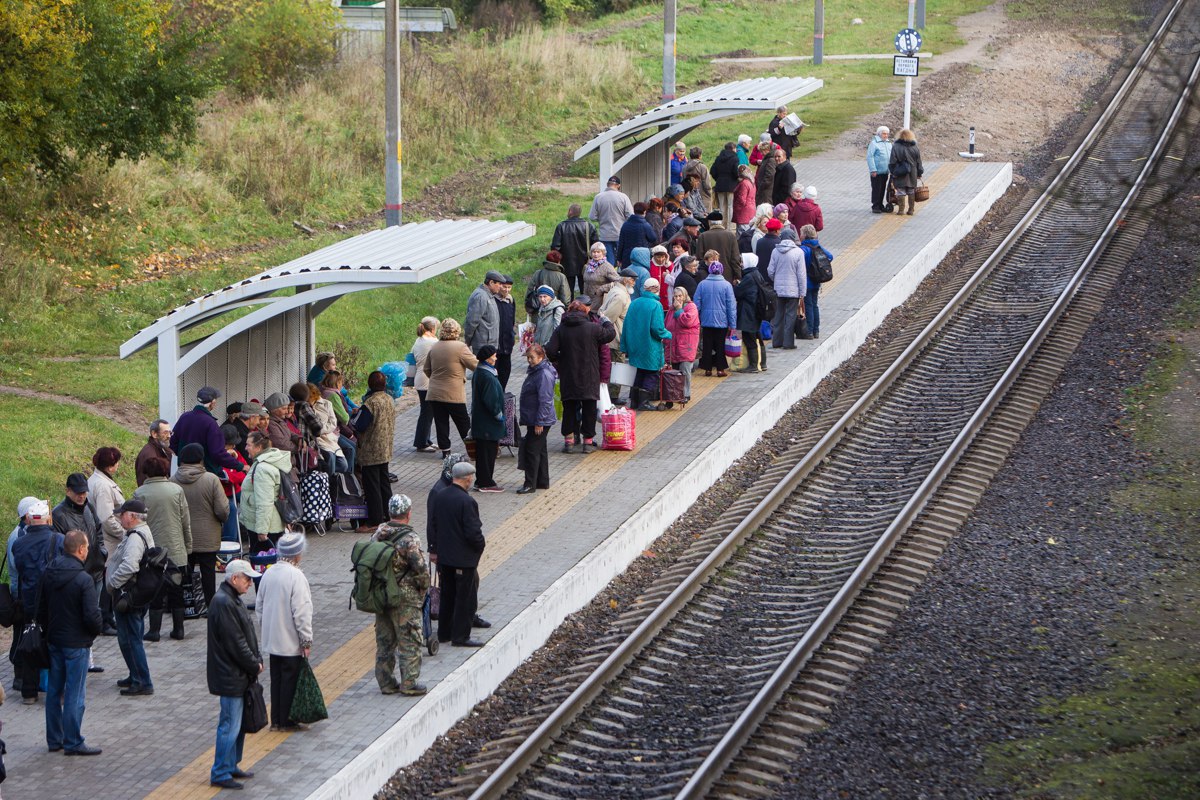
548 554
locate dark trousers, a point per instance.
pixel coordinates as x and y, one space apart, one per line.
378 490
421 437
485 462
503 368
755 348
106 609
783 327
208 573
535 460
442 414
878 189
645 387
579 416
285 674
29 674
712 349
575 282
460 598
812 309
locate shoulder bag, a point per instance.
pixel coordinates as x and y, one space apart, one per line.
254 708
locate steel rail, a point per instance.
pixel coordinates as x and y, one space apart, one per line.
715 764
528 751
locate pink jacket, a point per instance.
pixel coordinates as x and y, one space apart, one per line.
743 202
685 334
805 212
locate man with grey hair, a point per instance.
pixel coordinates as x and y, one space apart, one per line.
234 662
157 448
879 153
610 209
482 323
573 238
131 620
457 542
398 630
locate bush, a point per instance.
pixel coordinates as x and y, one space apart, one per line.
267 46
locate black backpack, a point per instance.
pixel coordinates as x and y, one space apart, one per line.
531 301
765 299
147 583
821 268
744 240
288 503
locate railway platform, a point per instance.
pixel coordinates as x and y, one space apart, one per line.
548 554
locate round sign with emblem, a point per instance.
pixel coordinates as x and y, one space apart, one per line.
908 41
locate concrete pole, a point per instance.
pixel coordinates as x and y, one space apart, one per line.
668 90
908 81
393 199
920 21
819 32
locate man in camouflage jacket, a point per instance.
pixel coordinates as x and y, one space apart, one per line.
398 630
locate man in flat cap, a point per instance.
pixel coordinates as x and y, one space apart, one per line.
131 620
456 542
506 307
200 425
482 324
398 630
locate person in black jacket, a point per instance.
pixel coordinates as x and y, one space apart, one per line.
457 543
31 556
574 237
69 611
725 177
785 178
574 349
234 662
75 513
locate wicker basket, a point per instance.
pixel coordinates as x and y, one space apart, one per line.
921 193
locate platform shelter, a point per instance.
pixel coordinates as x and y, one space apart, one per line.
639 148
272 346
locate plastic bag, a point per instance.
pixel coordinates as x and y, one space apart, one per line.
395 372
308 705
619 429
605 402
733 346
524 337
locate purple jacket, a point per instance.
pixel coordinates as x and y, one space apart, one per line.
537 396
201 427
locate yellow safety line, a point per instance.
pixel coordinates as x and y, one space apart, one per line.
345 666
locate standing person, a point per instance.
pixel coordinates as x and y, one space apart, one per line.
744 145
678 162
70 614
725 177
508 331
446 367
635 232
284 437
724 241
693 198
689 277
398 633
785 178
609 211
171 522
599 276
574 237
683 321
200 425
764 179
131 620
75 513
574 349
784 140
655 216
285 611
482 324
157 447
106 497
233 663
743 200
457 546
748 319
906 168
549 315
551 274
487 418
879 153
812 311
641 340
231 484
208 508
806 211
789 277
661 269
695 169
616 305
764 146
718 317
537 415
31 555
258 512
766 244
426 339
375 443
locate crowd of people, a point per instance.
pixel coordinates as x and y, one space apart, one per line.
730 249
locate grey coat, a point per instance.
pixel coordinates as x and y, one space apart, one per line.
482 325
168 517
207 505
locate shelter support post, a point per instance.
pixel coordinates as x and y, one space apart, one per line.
168 376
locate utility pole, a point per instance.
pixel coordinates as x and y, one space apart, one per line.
818 32
393 200
920 23
668 90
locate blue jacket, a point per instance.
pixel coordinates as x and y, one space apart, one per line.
879 152
672 228
677 165
537 395
806 247
643 333
715 301
487 404
636 232
640 262
32 555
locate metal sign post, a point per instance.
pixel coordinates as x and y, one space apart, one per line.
392 204
668 92
819 32
908 42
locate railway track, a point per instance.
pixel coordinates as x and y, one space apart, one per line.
742 647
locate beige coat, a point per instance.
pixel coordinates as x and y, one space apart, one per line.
105 497
616 303
446 366
207 505
375 445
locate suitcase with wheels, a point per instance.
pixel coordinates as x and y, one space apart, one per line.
670 386
510 422
349 502
314 494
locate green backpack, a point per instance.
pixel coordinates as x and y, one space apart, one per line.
376 587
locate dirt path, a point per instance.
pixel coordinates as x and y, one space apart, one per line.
128 415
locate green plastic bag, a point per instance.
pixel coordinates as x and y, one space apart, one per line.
308 704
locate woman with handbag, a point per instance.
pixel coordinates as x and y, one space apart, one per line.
906 169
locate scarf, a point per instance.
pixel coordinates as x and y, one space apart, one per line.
594 264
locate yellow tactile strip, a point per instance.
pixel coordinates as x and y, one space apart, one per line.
346 666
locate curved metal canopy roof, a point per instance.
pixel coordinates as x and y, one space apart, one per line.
392 256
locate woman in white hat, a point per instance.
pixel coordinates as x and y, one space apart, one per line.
285 610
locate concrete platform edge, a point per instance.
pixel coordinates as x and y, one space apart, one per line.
455 696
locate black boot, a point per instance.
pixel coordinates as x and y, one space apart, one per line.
152 635
177 623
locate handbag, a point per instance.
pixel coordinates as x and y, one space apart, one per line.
32 650
254 708
733 346
308 705
921 193
435 593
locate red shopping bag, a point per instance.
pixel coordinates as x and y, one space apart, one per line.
618 427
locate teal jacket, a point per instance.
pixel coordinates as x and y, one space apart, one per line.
487 405
643 333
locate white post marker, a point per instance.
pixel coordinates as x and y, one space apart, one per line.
971 146
908 42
